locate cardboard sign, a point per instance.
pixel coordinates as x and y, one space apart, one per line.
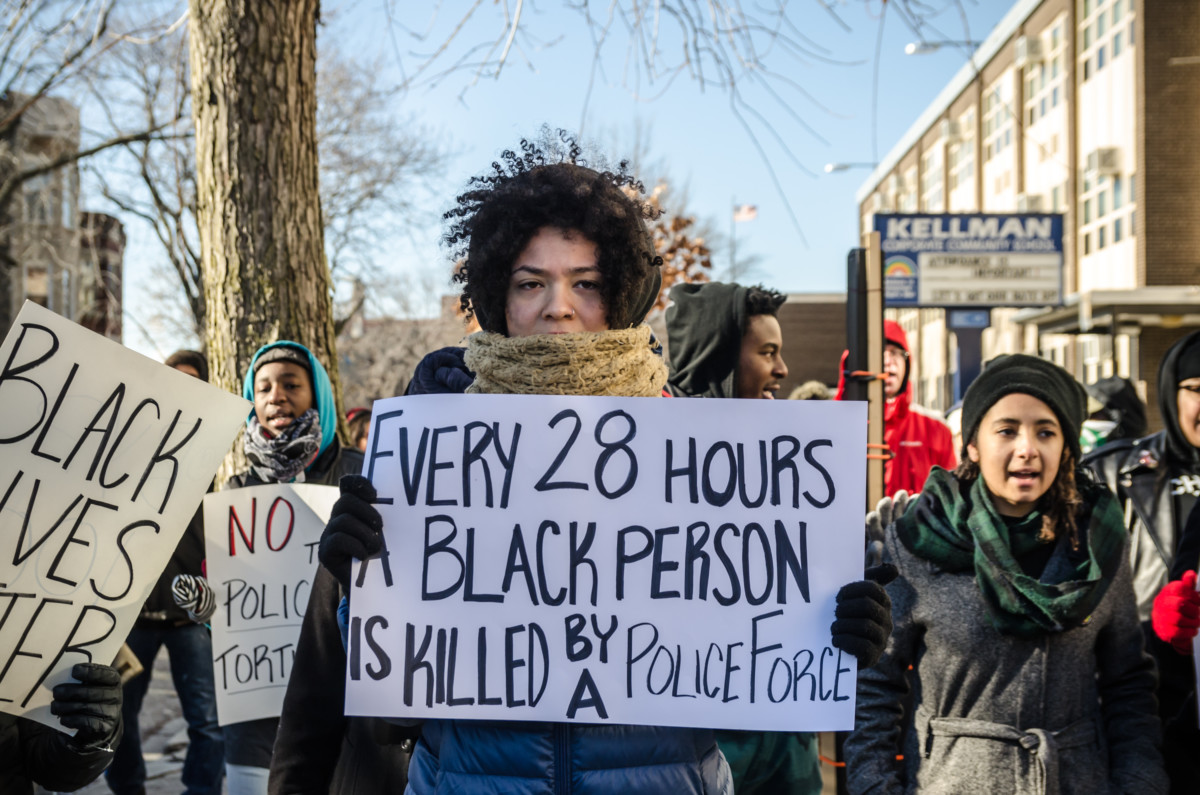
621 560
262 554
104 456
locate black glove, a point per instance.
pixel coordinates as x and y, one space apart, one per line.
864 615
355 529
93 706
441 372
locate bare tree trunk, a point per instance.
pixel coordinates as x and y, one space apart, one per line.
253 73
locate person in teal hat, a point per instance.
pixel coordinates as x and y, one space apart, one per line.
290 437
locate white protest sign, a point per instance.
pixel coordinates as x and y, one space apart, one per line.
627 560
261 543
104 457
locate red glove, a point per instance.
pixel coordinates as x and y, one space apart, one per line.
1176 613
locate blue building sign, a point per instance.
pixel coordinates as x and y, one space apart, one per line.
971 260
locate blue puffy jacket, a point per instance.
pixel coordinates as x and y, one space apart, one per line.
493 757
532 758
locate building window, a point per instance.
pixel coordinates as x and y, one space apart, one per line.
1100 203
1101 26
1099 59
1117 185
1133 187
1117 231
1087 211
1087 8
1100 237
1087 244
1116 12
1087 70
1055 198
1055 35
1132 34
1087 37
1116 44
1054 97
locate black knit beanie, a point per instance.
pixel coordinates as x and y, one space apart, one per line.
1028 375
193 359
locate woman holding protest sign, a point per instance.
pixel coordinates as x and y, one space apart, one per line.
1014 603
560 271
290 437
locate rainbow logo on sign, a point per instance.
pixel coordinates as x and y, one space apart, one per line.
899 267
899 279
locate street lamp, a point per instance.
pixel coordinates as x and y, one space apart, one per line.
831 168
927 47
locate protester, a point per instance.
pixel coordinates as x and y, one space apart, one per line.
358 423
290 437
1157 481
1118 413
1014 603
725 341
1176 618
917 440
32 753
560 272
161 623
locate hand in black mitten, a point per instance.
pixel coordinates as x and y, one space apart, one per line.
93 705
864 615
355 529
441 372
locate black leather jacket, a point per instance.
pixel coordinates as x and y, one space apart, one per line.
1139 474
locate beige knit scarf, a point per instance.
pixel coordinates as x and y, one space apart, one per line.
616 363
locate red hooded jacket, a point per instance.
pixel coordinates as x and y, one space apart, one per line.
917 441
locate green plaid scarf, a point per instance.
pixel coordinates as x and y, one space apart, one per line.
957 528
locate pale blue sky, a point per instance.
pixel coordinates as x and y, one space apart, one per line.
693 133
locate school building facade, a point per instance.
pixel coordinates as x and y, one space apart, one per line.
1086 108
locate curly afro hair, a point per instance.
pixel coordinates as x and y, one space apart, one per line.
548 184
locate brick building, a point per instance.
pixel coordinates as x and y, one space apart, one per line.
1084 107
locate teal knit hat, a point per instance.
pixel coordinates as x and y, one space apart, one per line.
322 388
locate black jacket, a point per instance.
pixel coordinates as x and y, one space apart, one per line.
1139 473
317 748
33 753
160 607
705 324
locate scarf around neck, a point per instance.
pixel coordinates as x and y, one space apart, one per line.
958 529
282 457
614 363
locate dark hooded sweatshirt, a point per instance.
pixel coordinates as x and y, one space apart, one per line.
1157 478
704 337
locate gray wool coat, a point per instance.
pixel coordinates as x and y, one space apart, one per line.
1069 712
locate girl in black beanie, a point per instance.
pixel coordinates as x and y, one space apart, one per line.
1014 605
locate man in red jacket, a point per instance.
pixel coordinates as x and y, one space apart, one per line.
918 440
